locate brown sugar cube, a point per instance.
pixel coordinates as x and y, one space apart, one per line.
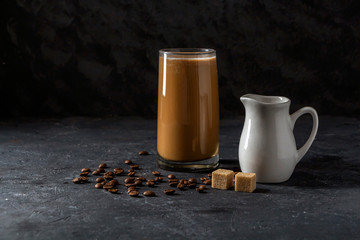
245 182
222 179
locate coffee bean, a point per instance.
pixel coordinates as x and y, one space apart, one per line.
108 177
134 166
169 191
113 190
131 174
132 188
114 182
133 193
77 180
96 172
180 186
150 183
149 193
156 173
98 185
209 174
203 179
100 179
143 153
182 180
159 179
129 180
141 179
173 184
171 176
110 173
102 165
138 183
119 171
174 180
128 162
207 182
102 170
192 185
84 179
131 170
186 182
129 184
84 174
108 186
192 180
85 170
201 188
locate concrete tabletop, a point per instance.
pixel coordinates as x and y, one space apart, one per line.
39 159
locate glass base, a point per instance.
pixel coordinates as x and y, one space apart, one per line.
198 166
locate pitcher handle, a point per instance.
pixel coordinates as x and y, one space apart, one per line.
293 117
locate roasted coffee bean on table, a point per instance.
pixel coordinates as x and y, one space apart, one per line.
108 186
171 176
149 193
134 166
108 177
156 173
96 172
174 180
110 173
169 191
119 172
180 186
114 182
131 174
99 179
129 180
99 185
150 183
133 193
102 165
159 179
128 162
207 182
192 180
201 188
84 179
113 190
141 179
143 153
129 184
132 188
84 174
138 183
85 170
77 180
102 170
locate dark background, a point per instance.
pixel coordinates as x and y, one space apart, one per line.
99 58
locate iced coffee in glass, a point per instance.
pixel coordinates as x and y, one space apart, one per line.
188 110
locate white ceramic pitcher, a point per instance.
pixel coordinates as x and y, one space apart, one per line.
267 144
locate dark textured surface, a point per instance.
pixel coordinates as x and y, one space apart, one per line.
87 57
39 201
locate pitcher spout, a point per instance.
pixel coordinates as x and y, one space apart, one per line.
263 100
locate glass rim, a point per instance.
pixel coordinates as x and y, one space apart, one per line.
187 51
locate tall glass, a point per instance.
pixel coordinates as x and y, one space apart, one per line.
188 110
